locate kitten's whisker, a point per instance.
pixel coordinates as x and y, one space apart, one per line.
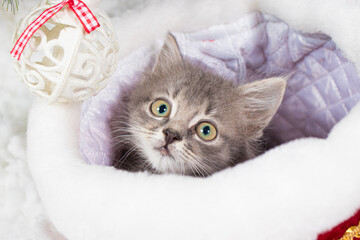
192 169
188 151
182 168
145 165
129 126
120 141
117 130
197 169
131 130
122 122
123 158
204 168
181 163
141 131
122 138
192 165
118 145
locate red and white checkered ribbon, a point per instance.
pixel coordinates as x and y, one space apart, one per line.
84 14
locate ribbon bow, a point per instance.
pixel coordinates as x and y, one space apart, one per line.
86 17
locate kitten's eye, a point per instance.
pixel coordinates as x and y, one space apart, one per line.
206 131
160 108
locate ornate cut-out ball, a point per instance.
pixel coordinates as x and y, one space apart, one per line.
63 63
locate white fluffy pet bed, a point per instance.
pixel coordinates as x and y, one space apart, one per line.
295 191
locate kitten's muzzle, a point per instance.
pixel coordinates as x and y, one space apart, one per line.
165 151
171 136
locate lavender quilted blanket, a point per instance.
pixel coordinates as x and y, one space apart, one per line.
322 88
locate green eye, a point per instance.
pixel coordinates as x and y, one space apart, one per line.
160 108
206 131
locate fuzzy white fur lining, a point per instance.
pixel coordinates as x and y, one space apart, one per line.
294 191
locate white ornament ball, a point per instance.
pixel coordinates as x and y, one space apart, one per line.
63 63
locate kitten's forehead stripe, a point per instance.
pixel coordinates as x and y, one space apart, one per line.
209 109
176 93
194 119
194 115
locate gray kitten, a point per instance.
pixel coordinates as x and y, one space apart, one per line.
181 119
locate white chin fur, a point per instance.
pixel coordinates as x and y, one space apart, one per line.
163 164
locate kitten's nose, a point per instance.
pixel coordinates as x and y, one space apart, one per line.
171 136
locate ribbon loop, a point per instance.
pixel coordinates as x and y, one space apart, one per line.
86 17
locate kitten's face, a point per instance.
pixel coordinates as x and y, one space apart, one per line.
181 119
183 124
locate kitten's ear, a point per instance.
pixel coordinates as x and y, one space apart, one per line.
260 101
169 53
